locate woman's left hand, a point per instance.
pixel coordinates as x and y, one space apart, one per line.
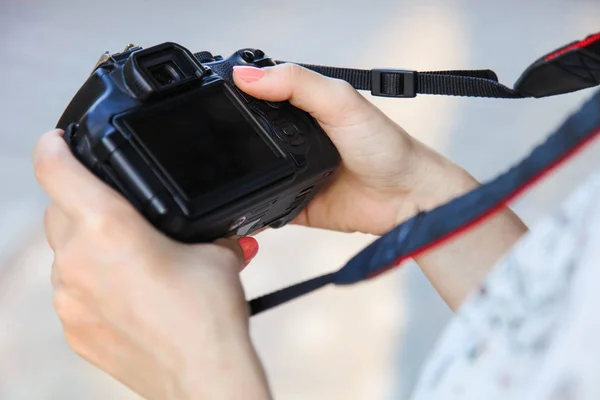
168 320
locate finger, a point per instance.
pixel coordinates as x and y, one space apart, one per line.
330 101
57 226
69 184
249 247
245 248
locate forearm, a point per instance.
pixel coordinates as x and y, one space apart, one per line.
458 266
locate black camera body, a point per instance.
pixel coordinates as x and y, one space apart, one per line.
196 156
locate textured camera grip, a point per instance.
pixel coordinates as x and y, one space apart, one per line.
224 69
250 57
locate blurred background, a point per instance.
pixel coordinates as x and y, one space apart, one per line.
364 342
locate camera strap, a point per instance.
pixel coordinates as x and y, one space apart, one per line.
571 68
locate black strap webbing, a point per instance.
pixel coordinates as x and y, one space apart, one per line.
568 69
405 83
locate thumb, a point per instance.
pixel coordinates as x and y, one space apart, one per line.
331 101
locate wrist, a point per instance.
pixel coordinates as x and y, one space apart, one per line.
226 366
438 180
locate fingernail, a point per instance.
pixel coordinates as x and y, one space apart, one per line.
249 246
248 74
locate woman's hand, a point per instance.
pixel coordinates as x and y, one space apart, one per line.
386 175
168 320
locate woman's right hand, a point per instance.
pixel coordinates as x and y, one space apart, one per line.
386 176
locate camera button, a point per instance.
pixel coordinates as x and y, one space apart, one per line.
299 159
248 55
291 130
297 141
259 109
280 132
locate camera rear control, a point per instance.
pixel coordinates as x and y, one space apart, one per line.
248 56
259 108
279 129
298 158
291 130
297 141
285 127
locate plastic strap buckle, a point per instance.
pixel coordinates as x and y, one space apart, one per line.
406 87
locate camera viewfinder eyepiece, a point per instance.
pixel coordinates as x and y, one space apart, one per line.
161 69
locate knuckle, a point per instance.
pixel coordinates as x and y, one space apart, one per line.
46 164
106 217
348 106
52 218
65 257
293 72
76 342
70 314
342 85
342 89
99 222
292 68
63 305
68 263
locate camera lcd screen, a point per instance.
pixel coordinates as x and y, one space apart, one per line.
204 143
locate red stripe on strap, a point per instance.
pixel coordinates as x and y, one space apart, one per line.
586 42
493 210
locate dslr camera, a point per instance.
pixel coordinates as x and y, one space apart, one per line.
196 156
